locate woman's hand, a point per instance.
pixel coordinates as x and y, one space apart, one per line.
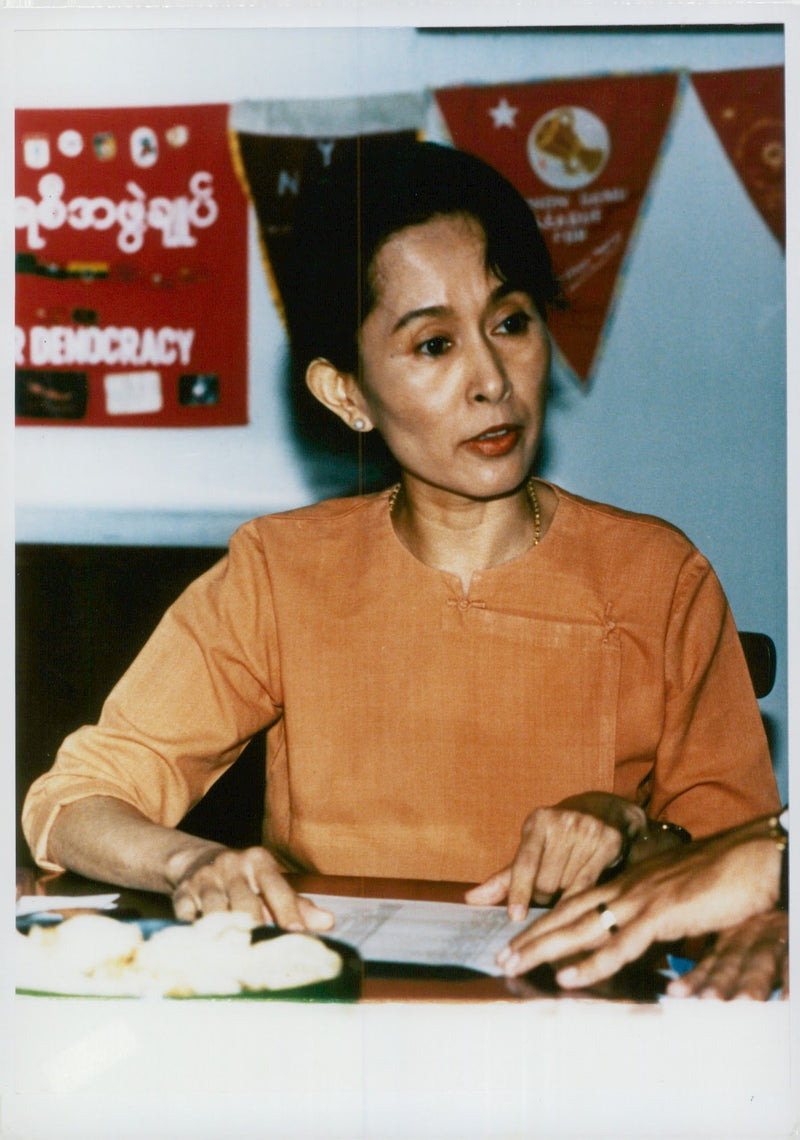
748 961
710 885
563 849
107 839
250 881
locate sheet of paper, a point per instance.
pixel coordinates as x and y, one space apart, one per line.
36 904
423 933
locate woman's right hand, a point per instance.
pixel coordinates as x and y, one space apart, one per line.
251 881
107 839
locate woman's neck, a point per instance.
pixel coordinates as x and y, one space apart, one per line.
463 537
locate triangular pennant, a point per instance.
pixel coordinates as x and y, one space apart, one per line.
746 108
281 142
582 152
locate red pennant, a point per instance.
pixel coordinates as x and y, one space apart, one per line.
746 109
131 269
581 152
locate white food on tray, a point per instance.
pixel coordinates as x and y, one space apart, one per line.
97 955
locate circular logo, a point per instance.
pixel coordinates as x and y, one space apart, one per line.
760 152
70 143
568 147
178 135
144 147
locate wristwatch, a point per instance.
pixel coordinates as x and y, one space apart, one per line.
664 827
651 829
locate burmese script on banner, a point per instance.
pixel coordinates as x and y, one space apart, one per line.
582 152
746 109
131 269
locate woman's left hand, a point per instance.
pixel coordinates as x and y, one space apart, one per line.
747 961
564 849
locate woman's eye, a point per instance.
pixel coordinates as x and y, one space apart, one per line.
516 323
434 346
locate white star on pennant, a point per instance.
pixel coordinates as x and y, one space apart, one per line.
503 114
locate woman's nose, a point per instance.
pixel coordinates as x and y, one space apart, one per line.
488 381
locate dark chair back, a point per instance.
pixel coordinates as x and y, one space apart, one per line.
761 657
83 613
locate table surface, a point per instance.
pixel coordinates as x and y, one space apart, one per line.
639 983
472 1058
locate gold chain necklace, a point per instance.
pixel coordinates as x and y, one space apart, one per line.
533 499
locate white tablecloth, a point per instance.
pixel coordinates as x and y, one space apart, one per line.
223 1070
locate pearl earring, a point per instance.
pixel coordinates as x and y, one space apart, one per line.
359 425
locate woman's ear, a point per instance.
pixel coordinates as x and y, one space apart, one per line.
339 392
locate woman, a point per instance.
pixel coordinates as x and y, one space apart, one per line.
442 666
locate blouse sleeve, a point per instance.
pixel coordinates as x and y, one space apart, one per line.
206 681
713 768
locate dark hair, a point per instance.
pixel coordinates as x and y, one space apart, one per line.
372 191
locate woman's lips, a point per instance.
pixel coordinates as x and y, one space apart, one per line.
496 441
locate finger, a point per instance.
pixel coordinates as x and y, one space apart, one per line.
591 848
243 898
565 914
315 917
587 875
687 985
282 902
626 946
210 896
549 873
531 948
525 870
492 891
585 866
185 905
756 981
759 971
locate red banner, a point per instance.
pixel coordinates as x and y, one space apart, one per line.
131 269
746 109
581 151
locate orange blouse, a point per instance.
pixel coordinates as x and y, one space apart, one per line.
412 728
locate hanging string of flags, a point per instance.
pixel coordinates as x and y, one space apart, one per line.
583 152
131 223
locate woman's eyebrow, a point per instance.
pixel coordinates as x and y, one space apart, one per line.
505 289
502 290
428 311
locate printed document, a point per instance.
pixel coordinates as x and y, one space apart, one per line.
424 933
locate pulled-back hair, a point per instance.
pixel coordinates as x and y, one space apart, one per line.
371 192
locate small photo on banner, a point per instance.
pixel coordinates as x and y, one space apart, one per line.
582 152
746 109
281 142
131 269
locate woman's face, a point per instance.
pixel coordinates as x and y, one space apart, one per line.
454 365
